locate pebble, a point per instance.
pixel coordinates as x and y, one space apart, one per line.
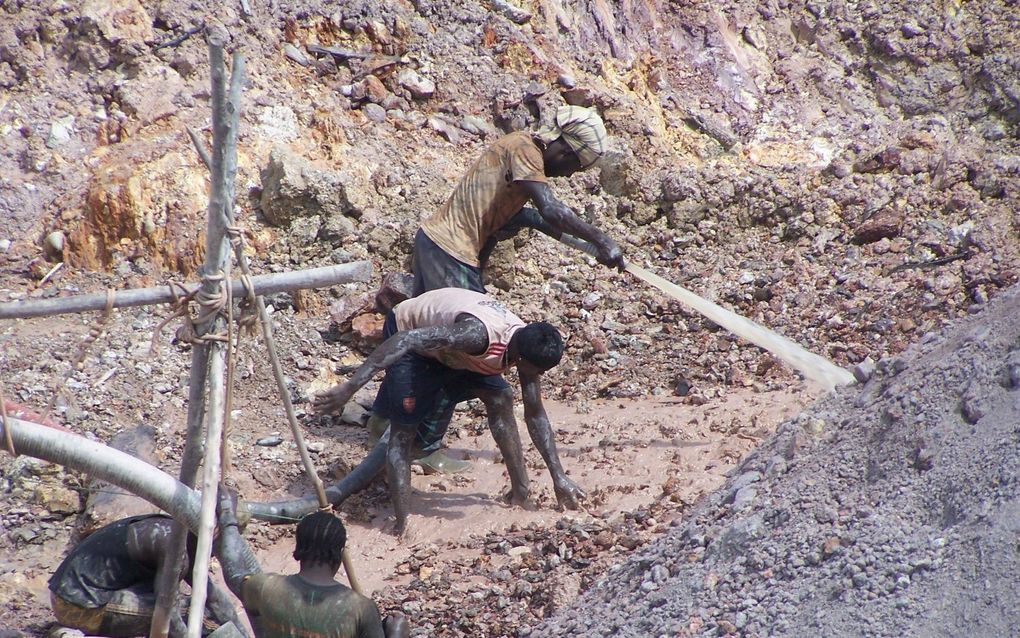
270 441
659 573
374 112
60 131
295 54
477 126
418 86
54 243
911 30
864 370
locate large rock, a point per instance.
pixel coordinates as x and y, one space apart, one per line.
395 287
885 224
119 19
619 174
141 209
292 187
347 307
145 105
418 86
108 503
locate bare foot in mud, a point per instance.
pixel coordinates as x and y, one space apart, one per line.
520 500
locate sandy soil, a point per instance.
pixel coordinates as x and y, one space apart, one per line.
627 454
622 452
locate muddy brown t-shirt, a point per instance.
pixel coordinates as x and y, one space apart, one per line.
290 607
488 195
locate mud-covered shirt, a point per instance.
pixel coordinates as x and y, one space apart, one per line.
442 307
291 607
100 566
488 195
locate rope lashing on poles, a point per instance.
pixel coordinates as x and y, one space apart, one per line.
257 307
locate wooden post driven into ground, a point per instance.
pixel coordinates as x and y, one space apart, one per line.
206 392
208 357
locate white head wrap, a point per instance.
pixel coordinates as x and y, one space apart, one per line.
582 129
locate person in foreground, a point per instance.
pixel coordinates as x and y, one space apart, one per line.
310 603
456 344
452 247
107 584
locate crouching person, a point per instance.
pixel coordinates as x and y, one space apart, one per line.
310 603
442 347
106 585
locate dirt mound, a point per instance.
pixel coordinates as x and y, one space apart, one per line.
887 510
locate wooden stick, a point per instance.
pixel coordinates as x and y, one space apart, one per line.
264 285
281 385
203 153
167 581
221 203
343 54
299 439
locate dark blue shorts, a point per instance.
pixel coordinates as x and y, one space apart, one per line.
434 268
420 392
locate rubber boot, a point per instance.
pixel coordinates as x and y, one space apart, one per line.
440 463
377 427
435 463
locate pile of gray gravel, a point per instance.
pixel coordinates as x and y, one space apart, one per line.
889 509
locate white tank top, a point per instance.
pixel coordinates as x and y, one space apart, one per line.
442 307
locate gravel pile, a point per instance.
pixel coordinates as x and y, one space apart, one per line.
887 510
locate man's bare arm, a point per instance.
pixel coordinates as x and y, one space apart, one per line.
147 543
467 335
525 218
568 494
232 550
563 219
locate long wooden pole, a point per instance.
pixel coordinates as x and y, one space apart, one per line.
812 366
267 284
284 392
203 353
225 115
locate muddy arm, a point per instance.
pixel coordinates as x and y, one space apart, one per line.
564 220
526 218
147 542
235 555
568 494
468 335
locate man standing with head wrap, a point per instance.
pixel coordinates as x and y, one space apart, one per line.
487 205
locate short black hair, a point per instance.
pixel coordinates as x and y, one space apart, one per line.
541 344
320 538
